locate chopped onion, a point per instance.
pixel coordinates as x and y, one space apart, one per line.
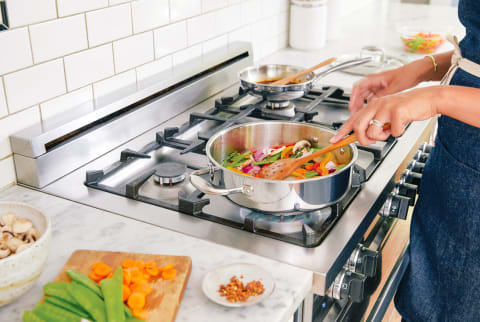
259 155
247 168
331 165
254 170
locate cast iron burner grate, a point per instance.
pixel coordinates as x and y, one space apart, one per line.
304 229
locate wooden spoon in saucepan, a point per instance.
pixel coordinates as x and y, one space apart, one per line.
282 169
289 79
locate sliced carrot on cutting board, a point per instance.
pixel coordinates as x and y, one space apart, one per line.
125 292
169 274
136 301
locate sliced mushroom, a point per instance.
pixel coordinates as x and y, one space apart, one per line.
6 229
31 235
14 243
22 248
4 251
21 225
8 219
300 145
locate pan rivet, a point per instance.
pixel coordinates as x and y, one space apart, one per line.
315 140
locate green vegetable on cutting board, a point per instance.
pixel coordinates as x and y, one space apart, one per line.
52 313
72 307
112 293
88 300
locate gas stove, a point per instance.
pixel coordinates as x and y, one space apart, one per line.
131 154
158 173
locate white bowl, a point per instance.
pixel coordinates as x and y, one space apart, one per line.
18 272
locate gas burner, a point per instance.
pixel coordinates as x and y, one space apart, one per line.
287 224
285 108
169 173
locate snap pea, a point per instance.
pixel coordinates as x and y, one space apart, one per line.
269 159
88 300
112 294
29 316
75 309
85 281
340 167
134 319
58 289
311 174
52 313
229 157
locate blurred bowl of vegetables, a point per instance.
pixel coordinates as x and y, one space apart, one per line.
421 40
24 246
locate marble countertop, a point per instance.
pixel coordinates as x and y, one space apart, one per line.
72 229
376 24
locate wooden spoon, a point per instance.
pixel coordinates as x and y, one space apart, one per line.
282 169
290 79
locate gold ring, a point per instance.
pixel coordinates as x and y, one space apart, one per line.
376 123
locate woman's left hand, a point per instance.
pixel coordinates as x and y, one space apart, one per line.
398 110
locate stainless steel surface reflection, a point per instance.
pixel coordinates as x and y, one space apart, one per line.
277 196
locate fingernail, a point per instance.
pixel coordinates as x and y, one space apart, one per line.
334 139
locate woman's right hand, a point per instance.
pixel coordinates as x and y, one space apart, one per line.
387 83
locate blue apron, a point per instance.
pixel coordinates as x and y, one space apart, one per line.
442 281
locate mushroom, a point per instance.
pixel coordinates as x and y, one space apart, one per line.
22 247
21 225
4 250
8 219
30 236
13 243
300 145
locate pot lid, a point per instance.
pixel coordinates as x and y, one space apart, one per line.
379 63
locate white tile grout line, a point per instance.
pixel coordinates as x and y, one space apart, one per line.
113 58
56 8
4 90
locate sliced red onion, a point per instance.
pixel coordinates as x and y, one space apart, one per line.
247 168
254 170
258 156
331 165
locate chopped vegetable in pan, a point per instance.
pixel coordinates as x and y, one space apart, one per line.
251 163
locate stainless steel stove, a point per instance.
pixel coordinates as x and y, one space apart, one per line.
132 156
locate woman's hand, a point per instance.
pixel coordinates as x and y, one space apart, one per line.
387 83
398 110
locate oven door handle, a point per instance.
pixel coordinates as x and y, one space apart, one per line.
206 187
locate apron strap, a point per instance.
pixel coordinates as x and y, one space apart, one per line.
459 62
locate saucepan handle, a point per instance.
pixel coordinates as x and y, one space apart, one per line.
206 187
342 66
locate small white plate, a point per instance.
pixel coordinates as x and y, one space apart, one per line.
221 275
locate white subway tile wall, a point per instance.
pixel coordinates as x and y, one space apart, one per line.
60 54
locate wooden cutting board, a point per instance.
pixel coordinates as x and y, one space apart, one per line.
164 300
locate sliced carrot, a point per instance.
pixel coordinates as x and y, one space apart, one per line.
164 268
136 275
150 264
95 277
152 271
127 277
128 263
169 274
140 265
101 269
140 313
141 287
125 292
136 301
109 275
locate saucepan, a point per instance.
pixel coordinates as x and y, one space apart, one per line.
256 79
273 196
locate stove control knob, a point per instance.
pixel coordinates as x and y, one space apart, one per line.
364 261
395 206
412 177
416 166
348 284
421 156
425 147
407 190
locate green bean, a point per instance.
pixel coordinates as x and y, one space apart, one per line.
85 281
112 294
58 289
52 313
311 174
29 316
134 319
74 308
88 300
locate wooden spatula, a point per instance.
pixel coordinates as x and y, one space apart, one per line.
289 79
282 169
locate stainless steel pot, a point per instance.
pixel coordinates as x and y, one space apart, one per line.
250 77
273 196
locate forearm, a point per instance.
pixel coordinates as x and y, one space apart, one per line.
426 69
460 103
